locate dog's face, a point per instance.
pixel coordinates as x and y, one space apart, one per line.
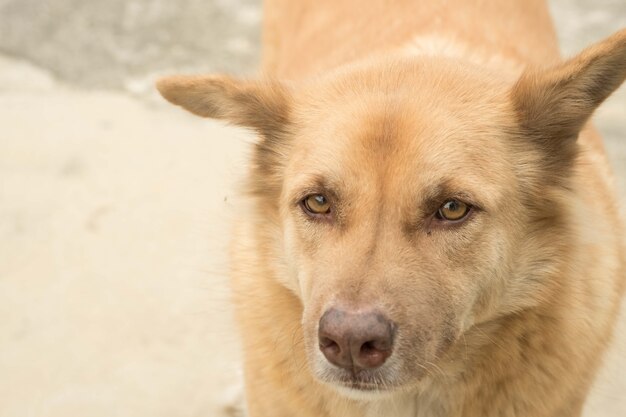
397 200
407 200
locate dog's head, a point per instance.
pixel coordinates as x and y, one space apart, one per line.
408 199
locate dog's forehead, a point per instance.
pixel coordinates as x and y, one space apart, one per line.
390 142
403 129
409 107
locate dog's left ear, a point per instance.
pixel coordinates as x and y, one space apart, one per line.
552 105
261 105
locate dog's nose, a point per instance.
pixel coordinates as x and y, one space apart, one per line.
355 340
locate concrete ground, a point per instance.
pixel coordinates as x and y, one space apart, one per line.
114 207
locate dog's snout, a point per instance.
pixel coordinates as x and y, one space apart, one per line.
355 340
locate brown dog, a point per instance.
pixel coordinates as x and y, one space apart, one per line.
431 228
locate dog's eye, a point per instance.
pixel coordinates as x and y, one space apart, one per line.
453 210
316 204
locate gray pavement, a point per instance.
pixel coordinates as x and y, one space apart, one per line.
112 43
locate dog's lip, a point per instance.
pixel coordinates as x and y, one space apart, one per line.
364 382
363 386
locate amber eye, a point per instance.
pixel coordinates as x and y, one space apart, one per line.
453 210
316 204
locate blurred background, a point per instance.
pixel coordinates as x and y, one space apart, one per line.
114 206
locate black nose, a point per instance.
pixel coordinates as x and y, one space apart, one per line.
355 340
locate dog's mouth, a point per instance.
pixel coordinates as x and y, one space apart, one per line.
364 388
361 384
361 381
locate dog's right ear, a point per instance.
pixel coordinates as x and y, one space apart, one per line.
261 105
553 105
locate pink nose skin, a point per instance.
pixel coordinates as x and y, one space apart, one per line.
355 340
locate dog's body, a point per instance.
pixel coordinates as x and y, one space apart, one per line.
307 37
435 183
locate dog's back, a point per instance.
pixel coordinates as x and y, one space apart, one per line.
306 37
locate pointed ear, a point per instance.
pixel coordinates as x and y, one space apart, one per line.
261 105
552 105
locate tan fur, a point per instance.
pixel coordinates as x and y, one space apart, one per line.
389 110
